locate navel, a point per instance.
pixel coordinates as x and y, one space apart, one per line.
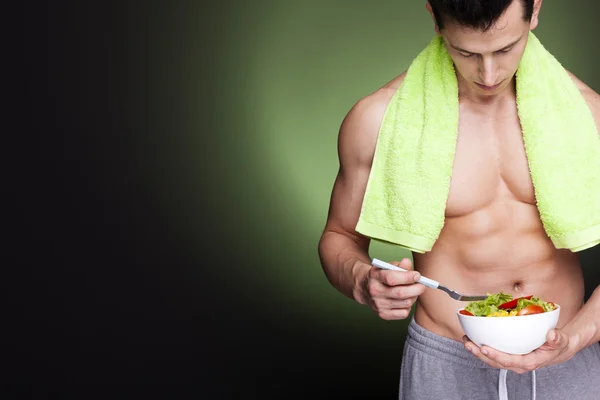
518 286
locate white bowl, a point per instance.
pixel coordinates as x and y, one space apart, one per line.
513 335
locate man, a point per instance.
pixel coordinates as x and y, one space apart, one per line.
492 240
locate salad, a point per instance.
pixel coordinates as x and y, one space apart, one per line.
503 305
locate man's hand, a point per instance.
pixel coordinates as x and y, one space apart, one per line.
559 347
391 294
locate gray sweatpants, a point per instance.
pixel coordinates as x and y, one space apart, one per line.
436 367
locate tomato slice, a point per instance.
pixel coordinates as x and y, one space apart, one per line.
513 303
465 312
531 309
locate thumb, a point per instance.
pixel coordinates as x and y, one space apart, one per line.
407 264
404 264
556 339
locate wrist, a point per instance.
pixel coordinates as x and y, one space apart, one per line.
589 317
360 272
592 317
595 316
583 329
581 337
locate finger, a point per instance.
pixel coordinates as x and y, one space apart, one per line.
382 274
475 350
395 278
405 291
555 339
405 263
394 314
391 304
379 290
517 363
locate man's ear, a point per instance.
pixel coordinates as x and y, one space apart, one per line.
537 5
437 28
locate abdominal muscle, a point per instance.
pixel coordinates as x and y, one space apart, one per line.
500 247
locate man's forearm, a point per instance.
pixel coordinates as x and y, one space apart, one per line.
345 262
591 311
586 324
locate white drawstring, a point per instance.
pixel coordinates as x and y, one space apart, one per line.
533 384
502 390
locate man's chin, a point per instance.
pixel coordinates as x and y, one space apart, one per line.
489 89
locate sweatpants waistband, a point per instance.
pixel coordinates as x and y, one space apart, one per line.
441 347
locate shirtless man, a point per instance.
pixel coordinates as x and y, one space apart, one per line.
492 239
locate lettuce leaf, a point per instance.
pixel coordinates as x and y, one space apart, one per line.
489 305
522 303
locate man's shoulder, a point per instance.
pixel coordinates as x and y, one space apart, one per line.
360 128
367 113
591 97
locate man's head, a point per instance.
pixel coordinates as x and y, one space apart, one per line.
485 38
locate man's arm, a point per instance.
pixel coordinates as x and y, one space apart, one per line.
343 251
586 325
587 322
591 97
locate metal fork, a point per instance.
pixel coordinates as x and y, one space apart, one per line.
429 282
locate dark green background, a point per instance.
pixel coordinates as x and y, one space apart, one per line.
178 183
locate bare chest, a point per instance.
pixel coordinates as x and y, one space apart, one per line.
490 164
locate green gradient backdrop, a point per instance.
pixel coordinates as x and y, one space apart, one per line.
293 71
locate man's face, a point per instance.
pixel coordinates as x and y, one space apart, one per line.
487 61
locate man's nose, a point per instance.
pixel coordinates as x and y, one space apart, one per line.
488 71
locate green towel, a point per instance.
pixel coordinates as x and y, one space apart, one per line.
408 187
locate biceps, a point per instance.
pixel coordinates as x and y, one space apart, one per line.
346 201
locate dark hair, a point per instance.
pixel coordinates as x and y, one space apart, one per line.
477 14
